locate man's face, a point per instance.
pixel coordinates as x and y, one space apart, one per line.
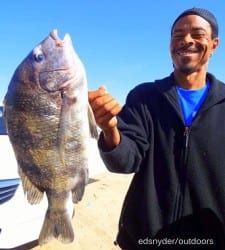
191 44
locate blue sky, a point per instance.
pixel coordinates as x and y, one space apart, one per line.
121 42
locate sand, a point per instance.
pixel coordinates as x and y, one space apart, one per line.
96 216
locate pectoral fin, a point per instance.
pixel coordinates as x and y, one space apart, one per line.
92 123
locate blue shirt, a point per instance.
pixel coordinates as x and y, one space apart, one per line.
191 101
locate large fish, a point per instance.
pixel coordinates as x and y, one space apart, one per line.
49 123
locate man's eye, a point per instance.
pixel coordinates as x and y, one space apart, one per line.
178 37
198 35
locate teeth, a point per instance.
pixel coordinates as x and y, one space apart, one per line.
185 52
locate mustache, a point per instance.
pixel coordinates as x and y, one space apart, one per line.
189 48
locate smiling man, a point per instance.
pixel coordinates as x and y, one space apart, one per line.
194 38
171 134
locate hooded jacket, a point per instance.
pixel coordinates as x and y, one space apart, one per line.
178 189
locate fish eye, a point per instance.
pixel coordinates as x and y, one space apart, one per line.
38 57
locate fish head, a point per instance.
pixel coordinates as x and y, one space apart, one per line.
52 65
56 63
52 68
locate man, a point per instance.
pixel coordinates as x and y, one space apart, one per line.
171 134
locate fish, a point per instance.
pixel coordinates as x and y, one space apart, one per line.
49 123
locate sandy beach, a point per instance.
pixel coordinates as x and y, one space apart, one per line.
96 216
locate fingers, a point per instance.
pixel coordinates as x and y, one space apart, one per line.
92 95
105 107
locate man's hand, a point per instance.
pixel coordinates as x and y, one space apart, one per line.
105 109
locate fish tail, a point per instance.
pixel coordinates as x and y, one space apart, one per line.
56 225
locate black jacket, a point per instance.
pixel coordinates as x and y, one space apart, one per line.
178 190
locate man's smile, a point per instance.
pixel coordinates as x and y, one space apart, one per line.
187 51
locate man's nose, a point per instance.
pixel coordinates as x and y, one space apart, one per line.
187 39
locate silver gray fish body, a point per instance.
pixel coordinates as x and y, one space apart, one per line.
49 123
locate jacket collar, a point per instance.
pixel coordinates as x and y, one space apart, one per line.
216 92
167 88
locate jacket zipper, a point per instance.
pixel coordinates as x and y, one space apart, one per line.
186 136
182 175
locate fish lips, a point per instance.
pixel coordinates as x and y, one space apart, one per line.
53 80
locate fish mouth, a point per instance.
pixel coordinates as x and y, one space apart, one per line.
52 78
60 42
